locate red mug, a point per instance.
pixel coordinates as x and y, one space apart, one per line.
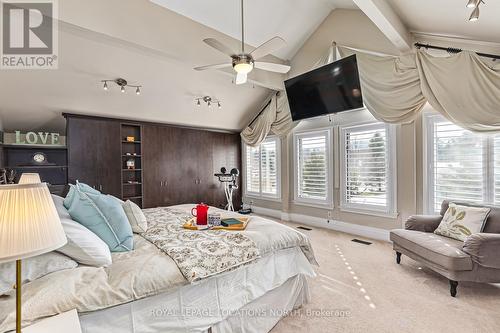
200 211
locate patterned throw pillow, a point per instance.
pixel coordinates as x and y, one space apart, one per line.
459 222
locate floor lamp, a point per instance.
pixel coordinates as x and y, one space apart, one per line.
29 226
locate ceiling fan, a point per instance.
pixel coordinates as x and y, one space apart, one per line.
243 63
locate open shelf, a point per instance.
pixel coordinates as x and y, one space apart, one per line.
131 191
134 197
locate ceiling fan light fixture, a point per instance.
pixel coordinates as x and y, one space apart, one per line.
475 15
243 67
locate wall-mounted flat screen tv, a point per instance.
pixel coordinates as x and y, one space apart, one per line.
329 89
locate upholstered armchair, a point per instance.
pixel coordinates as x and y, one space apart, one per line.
477 259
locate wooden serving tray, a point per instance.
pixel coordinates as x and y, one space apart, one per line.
191 225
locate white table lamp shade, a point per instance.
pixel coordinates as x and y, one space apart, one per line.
30 178
29 223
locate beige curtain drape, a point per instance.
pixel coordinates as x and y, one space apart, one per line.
276 117
390 86
462 87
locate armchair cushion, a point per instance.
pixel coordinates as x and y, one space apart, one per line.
425 223
443 251
484 248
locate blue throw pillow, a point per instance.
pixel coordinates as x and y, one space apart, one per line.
71 194
104 216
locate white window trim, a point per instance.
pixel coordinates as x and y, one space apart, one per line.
428 163
389 211
260 195
323 204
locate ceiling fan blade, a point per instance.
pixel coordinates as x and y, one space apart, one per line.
268 47
217 66
272 67
219 46
240 78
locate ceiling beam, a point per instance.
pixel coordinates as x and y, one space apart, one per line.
386 19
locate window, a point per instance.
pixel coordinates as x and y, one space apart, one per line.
461 165
368 177
313 167
262 169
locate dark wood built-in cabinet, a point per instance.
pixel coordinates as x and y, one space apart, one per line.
173 165
94 153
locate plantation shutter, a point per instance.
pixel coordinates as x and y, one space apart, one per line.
458 166
312 166
366 166
268 153
497 170
253 169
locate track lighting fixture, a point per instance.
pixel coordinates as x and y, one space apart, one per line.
209 100
122 83
475 13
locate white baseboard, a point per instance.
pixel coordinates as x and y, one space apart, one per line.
318 222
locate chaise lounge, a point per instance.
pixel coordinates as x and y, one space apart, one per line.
477 259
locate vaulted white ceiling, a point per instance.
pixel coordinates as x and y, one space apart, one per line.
293 20
450 17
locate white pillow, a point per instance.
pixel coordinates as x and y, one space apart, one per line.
32 269
459 222
135 216
83 245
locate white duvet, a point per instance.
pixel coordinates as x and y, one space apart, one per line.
134 275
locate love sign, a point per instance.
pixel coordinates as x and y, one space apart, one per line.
34 138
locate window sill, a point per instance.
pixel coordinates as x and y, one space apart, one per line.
260 197
327 206
369 212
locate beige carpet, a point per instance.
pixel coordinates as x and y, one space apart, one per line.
360 288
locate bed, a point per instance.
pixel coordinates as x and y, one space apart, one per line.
144 290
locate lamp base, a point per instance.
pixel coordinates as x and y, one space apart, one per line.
18 296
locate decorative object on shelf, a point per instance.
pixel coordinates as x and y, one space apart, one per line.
38 138
130 138
10 174
131 164
122 83
230 184
208 100
475 13
3 176
37 228
29 178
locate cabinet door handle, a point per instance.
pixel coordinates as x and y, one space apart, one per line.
165 183
100 187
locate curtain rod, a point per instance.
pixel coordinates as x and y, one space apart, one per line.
454 50
262 110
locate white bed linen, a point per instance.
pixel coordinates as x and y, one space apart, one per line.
196 307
